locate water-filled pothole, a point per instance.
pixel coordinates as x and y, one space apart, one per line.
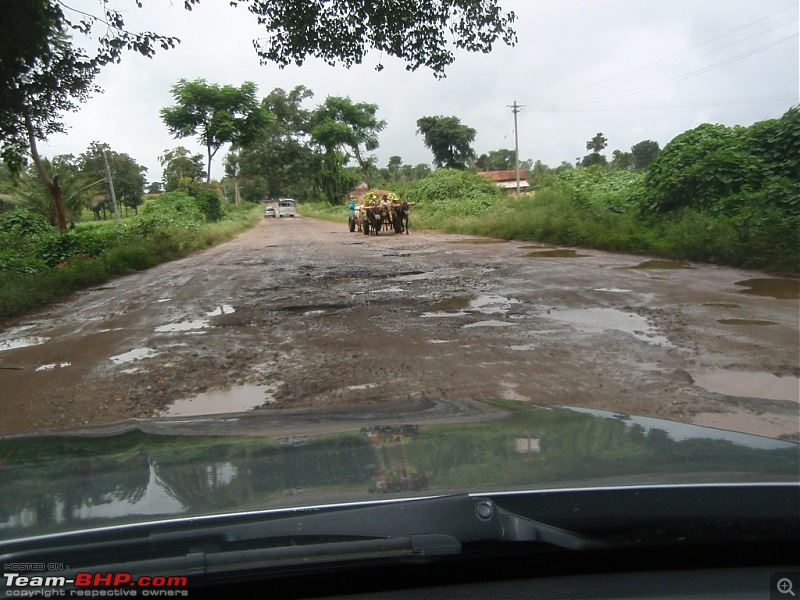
232 400
22 342
317 309
662 264
561 253
780 289
756 322
749 384
478 242
132 355
601 319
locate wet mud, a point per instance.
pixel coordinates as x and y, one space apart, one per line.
299 315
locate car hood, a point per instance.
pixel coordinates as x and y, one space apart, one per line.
142 470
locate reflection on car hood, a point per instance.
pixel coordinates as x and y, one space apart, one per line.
139 470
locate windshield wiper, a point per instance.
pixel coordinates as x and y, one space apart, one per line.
412 529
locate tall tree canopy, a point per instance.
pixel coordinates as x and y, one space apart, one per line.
216 114
644 153
180 164
420 32
340 124
448 139
278 161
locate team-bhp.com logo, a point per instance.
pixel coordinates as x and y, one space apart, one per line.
92 585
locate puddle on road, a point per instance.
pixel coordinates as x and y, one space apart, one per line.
425 276
722 304
487 304
601 319
478 242
766 424
22 342
389 290
197 325
232 400
364 386
488 324
443 314
661 264
192 326
612 290
749 384
780 289
555 254
132 355
745 322
313 309
52 366
524 347
454 303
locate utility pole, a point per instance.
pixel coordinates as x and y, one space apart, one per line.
111 185
515 108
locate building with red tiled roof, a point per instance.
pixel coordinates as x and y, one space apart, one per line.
508 179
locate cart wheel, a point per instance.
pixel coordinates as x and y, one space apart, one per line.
365 227
351 224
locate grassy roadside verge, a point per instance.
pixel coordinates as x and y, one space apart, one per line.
23 292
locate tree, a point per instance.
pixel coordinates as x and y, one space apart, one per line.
497 160
218 115
126 173
448 139
43 75
622 160
75 187
179 164
644 153
597 143
280 162
419 32
338 124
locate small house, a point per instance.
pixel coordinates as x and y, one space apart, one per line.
508 179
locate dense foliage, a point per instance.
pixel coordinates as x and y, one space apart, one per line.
714 167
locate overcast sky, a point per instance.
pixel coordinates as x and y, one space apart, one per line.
631 69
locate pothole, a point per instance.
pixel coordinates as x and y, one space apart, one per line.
780 289
662 264
749 384
561 253
132 355
601 319
231 400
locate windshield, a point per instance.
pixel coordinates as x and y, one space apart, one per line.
570 264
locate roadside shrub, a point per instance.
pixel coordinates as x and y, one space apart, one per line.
455 192
172 209
22 222
209 204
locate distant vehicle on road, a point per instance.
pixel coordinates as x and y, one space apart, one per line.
269 211
286 207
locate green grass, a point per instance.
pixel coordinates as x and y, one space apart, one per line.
22 293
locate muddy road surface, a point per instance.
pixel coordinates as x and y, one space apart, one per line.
299 314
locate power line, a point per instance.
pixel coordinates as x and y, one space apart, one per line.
589 86
635 91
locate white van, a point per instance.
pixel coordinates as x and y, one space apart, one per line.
286 207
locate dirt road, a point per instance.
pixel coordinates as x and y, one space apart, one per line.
298 313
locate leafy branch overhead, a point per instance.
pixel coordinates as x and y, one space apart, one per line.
419 32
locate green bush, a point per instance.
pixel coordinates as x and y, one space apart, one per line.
454 192
23 222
